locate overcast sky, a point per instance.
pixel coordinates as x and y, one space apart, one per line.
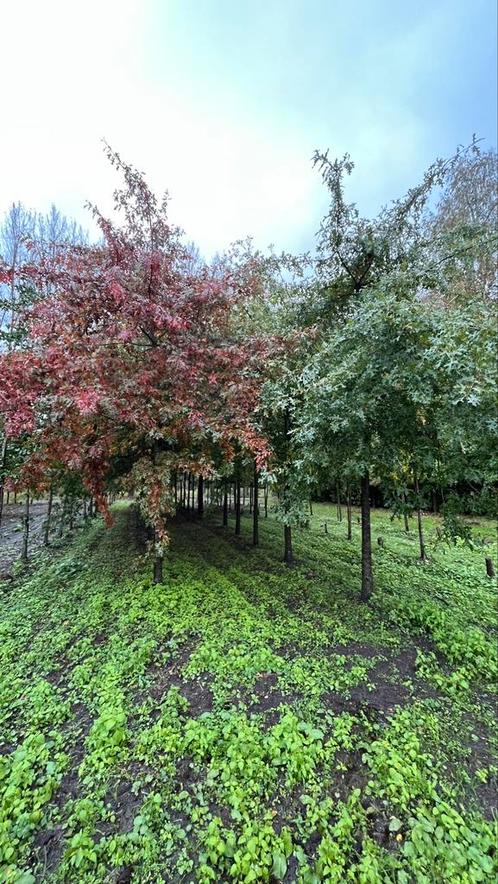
222 102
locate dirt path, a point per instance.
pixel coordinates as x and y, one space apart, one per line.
11 532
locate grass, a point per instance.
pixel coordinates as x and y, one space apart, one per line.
245 721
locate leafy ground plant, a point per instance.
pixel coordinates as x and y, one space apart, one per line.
245 722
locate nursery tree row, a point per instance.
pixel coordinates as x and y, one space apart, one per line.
259 380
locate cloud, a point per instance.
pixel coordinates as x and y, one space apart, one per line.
224 103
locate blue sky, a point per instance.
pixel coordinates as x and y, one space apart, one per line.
223 103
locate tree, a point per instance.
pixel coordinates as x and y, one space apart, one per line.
132 357
465 224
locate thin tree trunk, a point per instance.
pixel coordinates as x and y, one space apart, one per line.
423 556
255 510
405 514
46 533
339 506
288 554
158 569
25 533
266 501
200 497
366 540
3 461
237 506
225 503
250 499
63 516
311 507
349 513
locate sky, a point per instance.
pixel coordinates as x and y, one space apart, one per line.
223 102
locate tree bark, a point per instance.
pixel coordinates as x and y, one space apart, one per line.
63 516
237 506
288 553
225 503
339 506
405 515
366 540
158 569
349 514
3 461
311 507
46 533
25 533
255 509
266 501
200 497
423 556
490 571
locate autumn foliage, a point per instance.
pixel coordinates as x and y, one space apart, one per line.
133 361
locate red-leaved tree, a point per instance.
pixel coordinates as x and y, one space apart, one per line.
135 358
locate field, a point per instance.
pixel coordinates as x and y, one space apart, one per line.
245 721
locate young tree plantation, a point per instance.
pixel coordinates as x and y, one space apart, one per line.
247 615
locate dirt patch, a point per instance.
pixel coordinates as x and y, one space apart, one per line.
392 681
11 533
170 674
48 846
481 756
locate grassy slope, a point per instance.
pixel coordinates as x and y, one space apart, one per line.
245 721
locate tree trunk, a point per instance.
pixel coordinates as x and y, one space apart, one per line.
225 503
63 516
366 540
25 532
423 556
288 554
266 501
237 506
311 507
158 569
490 571
250 499
46 533
349 514
405 514
3 461
339 507
255 509
200 497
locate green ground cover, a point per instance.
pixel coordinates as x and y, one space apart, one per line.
245 721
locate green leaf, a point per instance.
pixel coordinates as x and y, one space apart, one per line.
279 867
